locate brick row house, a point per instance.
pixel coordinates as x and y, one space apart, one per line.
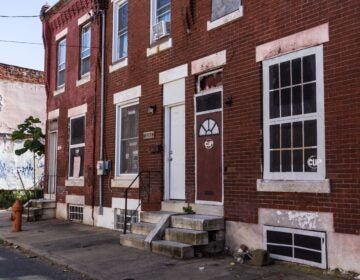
247 110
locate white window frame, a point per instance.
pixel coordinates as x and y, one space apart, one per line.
61 65
84 50
82 145
319 116
118 138
154 18
212 24
294 231
118 4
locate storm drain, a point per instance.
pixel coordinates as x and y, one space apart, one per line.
295 245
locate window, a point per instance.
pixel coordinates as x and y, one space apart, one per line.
294 116
221 8
61 48
127 145
161 17
75 213
85 50
301 246
120 40
77 147
131 218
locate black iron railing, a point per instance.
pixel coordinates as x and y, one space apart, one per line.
144 191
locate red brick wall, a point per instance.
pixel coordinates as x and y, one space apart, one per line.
61 17
20 74
263 21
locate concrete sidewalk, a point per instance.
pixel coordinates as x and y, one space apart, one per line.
96 252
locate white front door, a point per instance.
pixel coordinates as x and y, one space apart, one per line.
176 152
52 163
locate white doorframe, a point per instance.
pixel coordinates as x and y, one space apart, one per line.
52 163
167 132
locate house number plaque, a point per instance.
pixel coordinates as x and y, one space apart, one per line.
149 135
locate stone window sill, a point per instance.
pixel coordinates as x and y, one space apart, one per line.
59 91
124 181
118 65
293 186
75 182
159 47
83 80
226 19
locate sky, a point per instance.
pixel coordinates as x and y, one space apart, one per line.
24 30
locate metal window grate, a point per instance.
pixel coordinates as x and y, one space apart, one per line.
131 217
75 213
294 245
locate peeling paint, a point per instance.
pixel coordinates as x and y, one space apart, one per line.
306 220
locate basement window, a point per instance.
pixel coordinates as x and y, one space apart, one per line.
75 213
131 218
295 245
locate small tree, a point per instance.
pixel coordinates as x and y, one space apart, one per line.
33 138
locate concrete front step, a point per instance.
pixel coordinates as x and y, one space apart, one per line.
133 240
142 228
43 203
188 236
32 213
197 222
173 249
152 217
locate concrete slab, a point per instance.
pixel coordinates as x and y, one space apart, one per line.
96 253
173 249
188 236
198 222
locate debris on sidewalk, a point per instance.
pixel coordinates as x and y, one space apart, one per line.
256 257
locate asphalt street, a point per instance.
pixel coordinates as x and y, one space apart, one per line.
19 265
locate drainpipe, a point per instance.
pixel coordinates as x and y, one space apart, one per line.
101 156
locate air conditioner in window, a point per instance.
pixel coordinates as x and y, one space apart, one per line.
161 29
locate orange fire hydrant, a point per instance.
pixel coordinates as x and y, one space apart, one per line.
16 216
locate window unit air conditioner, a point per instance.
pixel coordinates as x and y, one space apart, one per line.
161 29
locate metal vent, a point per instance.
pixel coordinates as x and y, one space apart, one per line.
300 246
75 213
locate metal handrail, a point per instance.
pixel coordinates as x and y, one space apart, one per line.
149 172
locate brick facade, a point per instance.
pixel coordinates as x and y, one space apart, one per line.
262 22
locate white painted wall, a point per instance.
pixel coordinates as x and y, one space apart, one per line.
17 102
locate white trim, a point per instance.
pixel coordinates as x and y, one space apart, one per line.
59 91
213 90
173 74
75 199
61 34
79 182
293 186
85 79
159 47
77 111
129 95
174 92
118 65
225 19
319 116
124 180
301 40
208 63
85 17
54 114
321 235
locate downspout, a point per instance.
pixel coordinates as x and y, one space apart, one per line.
102 93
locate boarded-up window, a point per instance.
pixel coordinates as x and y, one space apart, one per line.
221 8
